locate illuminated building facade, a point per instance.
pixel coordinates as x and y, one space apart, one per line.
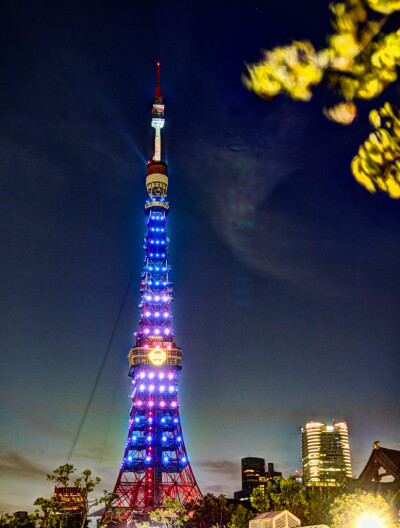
252 469
69 498
155 464
325 453
255 476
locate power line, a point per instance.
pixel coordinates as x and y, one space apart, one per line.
78 432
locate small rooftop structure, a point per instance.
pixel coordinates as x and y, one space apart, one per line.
275 519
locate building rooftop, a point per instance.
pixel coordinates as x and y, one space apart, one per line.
268 515
381 457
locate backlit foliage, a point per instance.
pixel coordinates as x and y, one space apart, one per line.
290 69
359 62
377 164
350 510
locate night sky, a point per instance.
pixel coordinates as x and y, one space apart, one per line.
285 270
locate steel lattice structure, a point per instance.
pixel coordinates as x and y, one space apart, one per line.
155 463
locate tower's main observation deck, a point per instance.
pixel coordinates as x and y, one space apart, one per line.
155 464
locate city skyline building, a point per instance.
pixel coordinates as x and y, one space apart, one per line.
254 476
252 469
325 453
155 463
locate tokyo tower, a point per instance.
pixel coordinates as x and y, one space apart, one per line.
155 464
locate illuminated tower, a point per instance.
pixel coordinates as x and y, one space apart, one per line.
155 463
325 453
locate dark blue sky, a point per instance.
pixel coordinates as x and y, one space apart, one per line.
285 269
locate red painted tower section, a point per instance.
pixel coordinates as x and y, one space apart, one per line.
155 464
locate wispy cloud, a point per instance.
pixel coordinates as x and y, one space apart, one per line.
225 468
217 489
34 415
8 507
14 464
262 196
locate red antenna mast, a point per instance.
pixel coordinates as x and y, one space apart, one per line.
158 88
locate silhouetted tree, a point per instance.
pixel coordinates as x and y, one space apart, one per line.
212 511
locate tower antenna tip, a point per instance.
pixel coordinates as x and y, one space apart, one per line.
158 88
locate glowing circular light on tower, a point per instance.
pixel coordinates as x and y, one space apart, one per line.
158 356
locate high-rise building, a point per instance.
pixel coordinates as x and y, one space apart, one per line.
155 463
255 476
325 453
252 469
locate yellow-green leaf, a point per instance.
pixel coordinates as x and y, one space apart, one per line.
384 6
